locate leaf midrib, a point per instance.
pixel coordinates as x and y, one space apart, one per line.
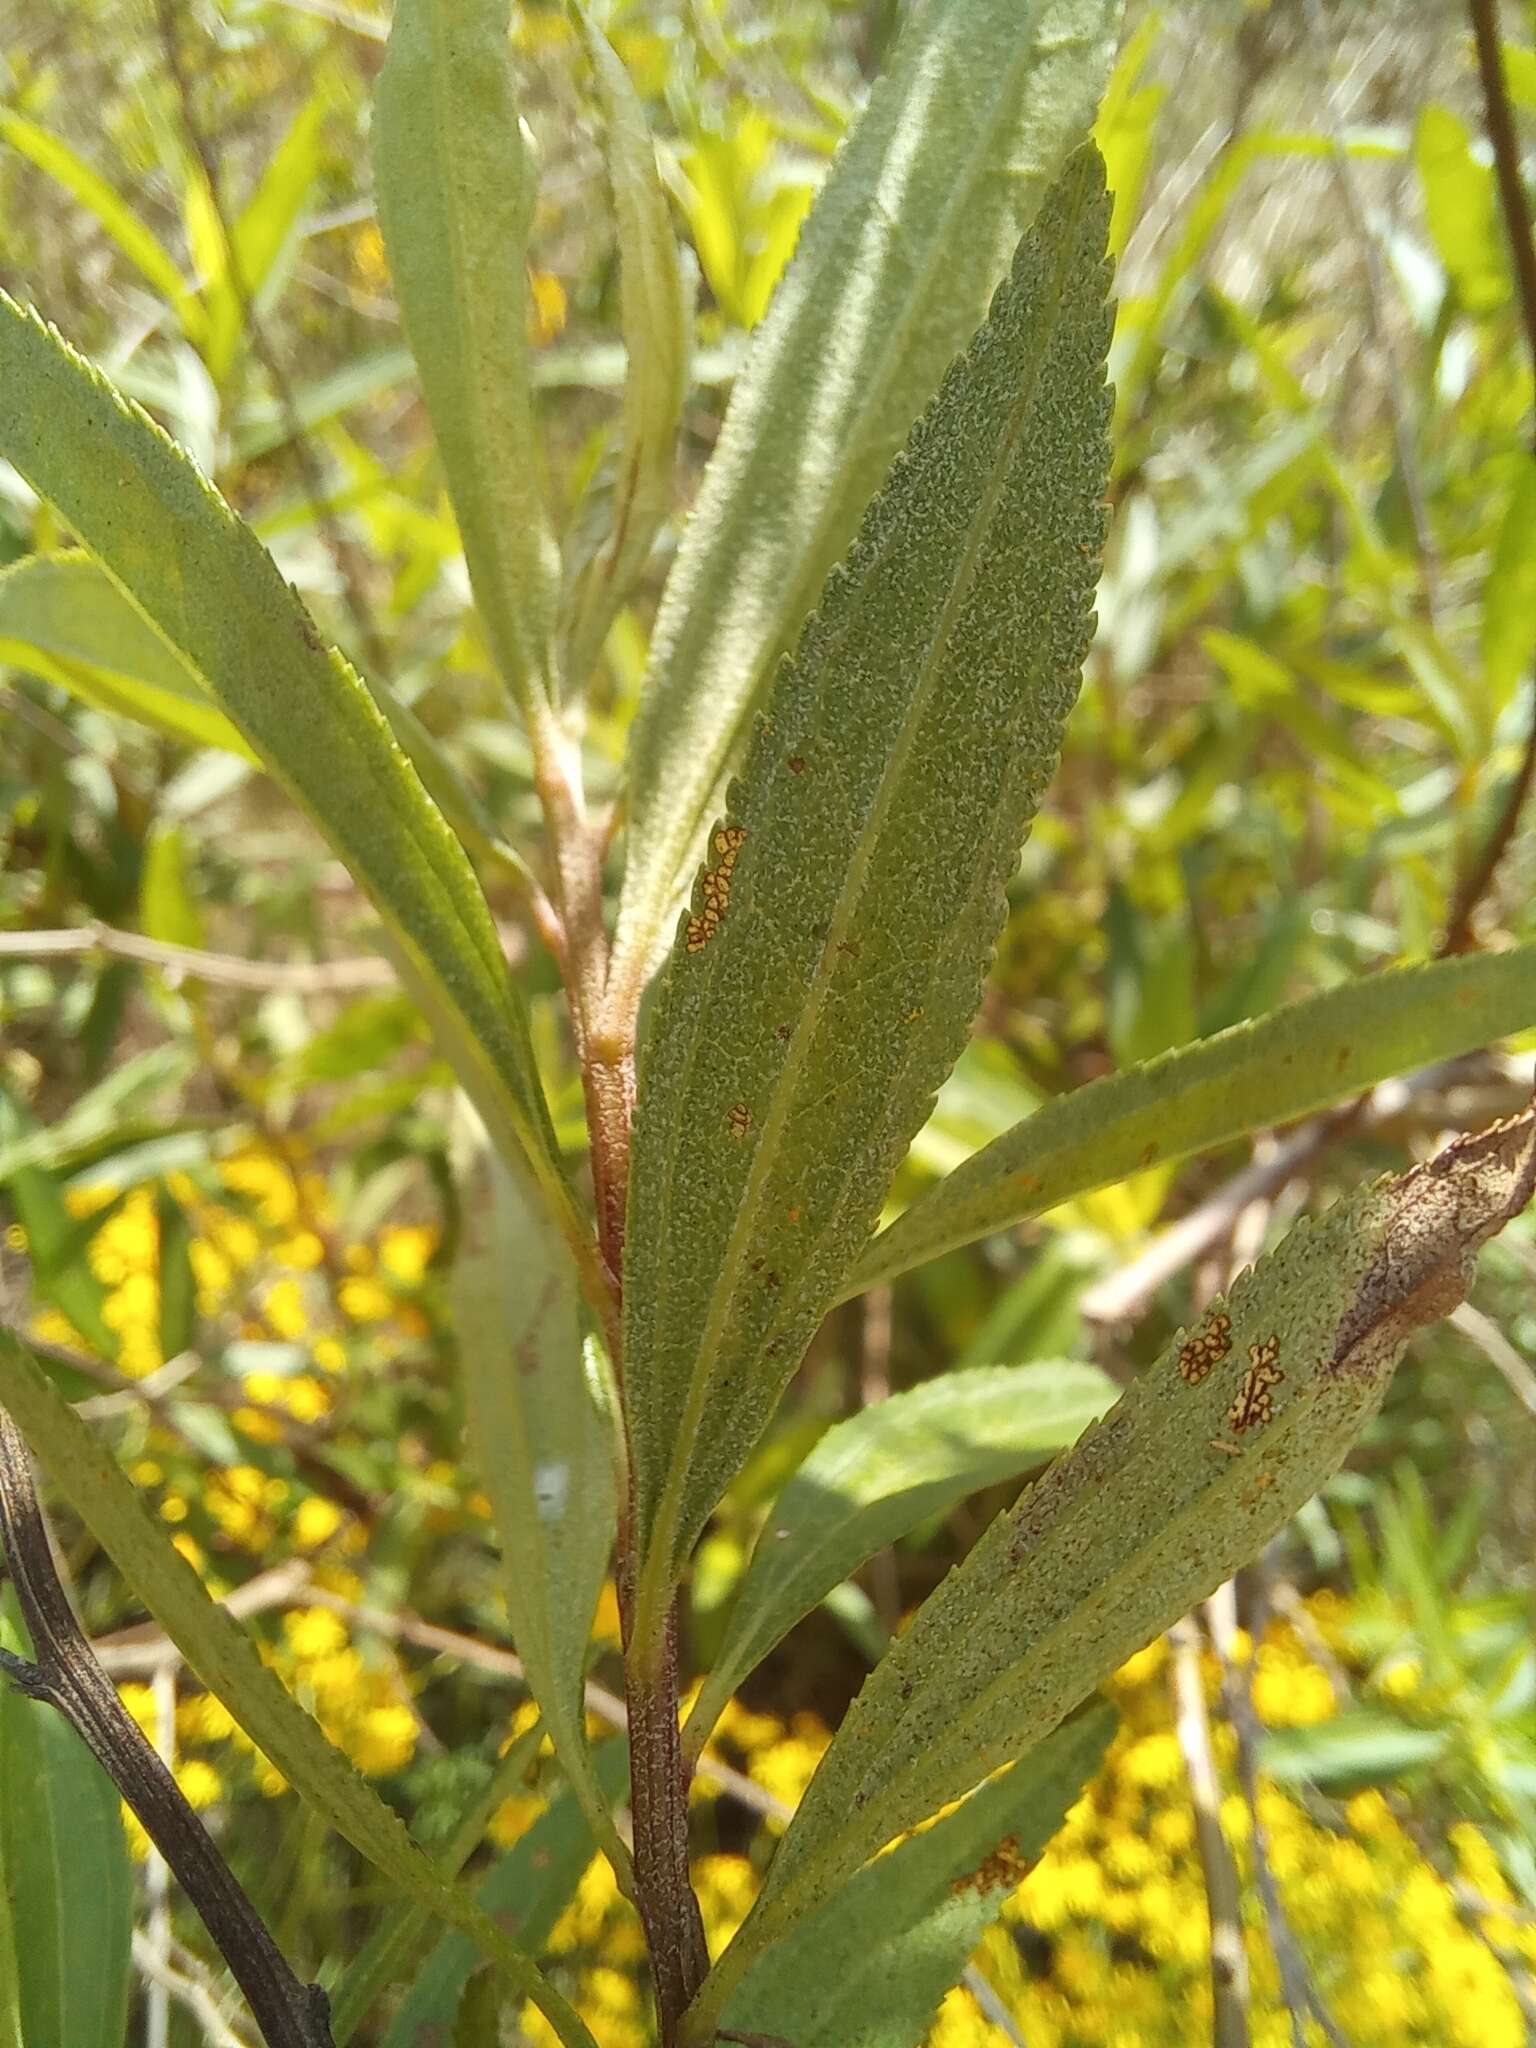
808 1023
638 948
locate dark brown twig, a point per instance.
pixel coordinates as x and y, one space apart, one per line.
68 1678
1499 119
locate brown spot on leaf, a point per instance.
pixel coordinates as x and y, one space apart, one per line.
1203 1352
739 1121
1004 1870
726 843
797 764
1227 1450
1442 1214
1254 1405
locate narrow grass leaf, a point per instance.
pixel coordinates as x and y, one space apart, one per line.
204 582
825 981
455 195
877 1475
908 237
1200 1463
541 1442
1298 1059
869 1971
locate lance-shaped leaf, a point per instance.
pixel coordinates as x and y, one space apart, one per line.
67 1881
825 981
541 1441
880 1473
227 1661
869 1970
909 235
634 493
1192 1472
204 582
1297 1059
455 195
63 620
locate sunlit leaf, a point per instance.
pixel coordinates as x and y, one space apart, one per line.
1205 1458
1296 1060
825 981
455 193
1462 209
1509 595
877 1475
903 247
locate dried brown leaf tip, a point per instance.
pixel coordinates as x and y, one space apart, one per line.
1255 1403
1206 1349
1438 1217
1004 1870
702 926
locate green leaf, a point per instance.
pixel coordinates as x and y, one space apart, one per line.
1200 1463
869 1971
94 1115
879 1474
61 619
1296 1060
1462 210
1509 595
526 1890
65 1871
178 1282
168 908
1362 1747
229 1665
91 191
455 195
252 272
636 496
825 983
201 578
908 237
542 1442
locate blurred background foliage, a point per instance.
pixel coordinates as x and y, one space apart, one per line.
222 1130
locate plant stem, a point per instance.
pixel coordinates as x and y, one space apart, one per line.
674 1927
67 1677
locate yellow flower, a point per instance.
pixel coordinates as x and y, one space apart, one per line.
284 1309
387 1740
315 1522
313 1633
405 1251
200 1784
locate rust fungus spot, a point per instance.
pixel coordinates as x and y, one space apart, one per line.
797 764
770 1280
705 922
1255 1404
782 1033
793 1215
913 1015
1227 1450
850 947
740 1120
1206 1349
1004 1870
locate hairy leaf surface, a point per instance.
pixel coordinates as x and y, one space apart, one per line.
455 195
907 239
869 1971
877 1475
204 582
824 983
541 1443
1298 1059
1204 1458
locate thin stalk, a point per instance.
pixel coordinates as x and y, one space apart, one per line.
67 1677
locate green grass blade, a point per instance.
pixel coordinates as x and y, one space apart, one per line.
206 585
229 1665
825 982
112 213
869 1971
543 1445
1200 1463
1298 1059
901 252
63 620
455 194
877 1475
